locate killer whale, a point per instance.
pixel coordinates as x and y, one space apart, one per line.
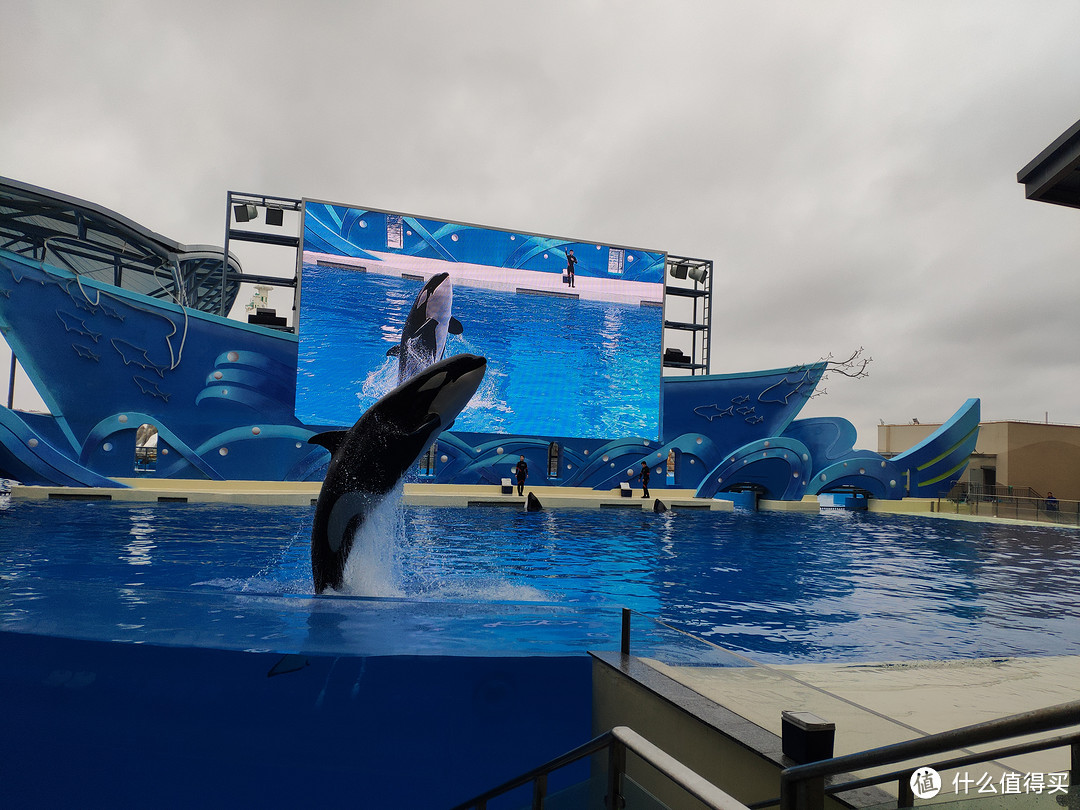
368 459
423 337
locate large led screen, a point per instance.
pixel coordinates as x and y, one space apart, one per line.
382 294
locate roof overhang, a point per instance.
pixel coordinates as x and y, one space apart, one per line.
1054 175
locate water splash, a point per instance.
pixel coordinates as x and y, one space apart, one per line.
374 566
377 566
383 379
289 572
379 382
488 397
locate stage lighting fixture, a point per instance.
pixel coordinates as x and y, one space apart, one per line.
698 273
245 212
679 270
275 216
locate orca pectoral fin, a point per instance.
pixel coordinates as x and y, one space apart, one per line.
426 333
431 424
394 350
331 439
455 327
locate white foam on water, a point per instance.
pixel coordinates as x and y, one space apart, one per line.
374 564
379 381
487 590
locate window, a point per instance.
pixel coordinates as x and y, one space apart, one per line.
146 448
427 461
553 460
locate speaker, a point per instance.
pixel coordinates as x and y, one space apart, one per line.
245 212
679 271
275 216
697 273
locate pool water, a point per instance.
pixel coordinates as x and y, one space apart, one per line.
556 367
776 587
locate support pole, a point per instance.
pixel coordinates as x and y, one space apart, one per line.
225 256
11 383
625 631
616 769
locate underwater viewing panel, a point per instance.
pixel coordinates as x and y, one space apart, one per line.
383 294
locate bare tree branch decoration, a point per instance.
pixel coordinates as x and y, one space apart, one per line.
856 367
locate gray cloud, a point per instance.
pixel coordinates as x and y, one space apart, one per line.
850 167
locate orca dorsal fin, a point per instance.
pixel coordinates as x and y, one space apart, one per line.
394 351
331 439
455 327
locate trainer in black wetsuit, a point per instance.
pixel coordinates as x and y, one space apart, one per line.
644 476
571 260
522 472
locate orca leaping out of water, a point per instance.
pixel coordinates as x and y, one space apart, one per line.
368 459
423 338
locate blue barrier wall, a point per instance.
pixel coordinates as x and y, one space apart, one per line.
113 724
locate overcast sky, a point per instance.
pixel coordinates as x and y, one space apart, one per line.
850 167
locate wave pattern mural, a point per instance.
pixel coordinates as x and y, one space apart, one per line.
111 362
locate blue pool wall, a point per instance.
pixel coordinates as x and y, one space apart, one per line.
118 724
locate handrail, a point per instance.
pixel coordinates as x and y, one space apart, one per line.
802 786
1018 507
619 740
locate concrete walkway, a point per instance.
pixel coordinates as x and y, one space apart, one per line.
303 493
876 704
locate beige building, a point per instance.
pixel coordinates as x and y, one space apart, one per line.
1044 457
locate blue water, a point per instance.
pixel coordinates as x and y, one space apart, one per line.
556 367
775 587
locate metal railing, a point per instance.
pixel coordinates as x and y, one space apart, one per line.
969 491
803 787
1018 507
618 741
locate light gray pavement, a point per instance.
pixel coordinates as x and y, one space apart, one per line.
876 704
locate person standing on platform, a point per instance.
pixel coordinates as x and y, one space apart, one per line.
571 260
522 472
644 476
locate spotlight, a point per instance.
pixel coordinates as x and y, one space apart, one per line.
698 273
275 216
245 212
679 270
